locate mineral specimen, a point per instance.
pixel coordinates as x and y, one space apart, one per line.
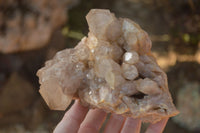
27 25
111 69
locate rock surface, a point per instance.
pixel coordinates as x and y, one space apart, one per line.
111 69
17 91
27 25
190 115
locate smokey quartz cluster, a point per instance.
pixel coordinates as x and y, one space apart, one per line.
111 69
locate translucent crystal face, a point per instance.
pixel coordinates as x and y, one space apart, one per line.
112 69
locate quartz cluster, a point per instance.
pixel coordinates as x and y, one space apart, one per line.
27 25
111 69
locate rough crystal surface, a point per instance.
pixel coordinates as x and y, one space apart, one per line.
111 69
131 57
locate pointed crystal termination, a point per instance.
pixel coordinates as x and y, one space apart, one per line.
111 69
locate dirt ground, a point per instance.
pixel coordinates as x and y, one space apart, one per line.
174 27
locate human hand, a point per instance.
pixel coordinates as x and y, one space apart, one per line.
81 120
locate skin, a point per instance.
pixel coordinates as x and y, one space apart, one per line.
78 119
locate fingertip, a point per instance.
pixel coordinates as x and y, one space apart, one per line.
157 127
78 108
114 124
93 121
131 124
72 119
